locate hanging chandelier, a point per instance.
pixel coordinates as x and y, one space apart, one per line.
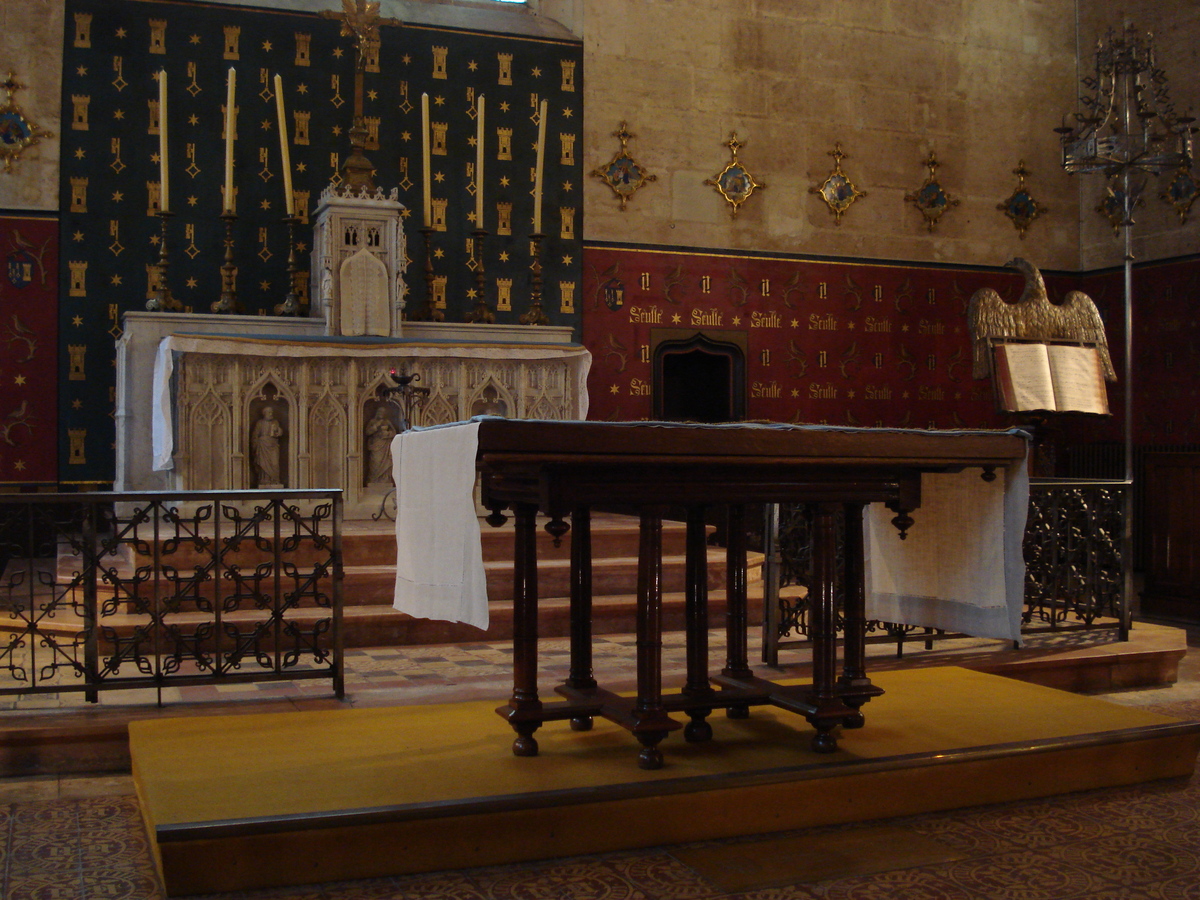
1127 121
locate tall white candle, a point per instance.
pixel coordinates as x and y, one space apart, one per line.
163 195
284 152
229 130
426 190
479 165
537 171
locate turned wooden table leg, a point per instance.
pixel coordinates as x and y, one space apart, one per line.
652 721
581 676
524 704
822 607
737 664
697 686
854 667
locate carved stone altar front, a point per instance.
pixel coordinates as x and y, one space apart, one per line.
304 410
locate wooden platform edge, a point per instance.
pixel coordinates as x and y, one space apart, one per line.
355 844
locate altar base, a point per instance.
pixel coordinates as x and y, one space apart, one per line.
234 803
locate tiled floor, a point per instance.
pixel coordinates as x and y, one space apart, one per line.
68 838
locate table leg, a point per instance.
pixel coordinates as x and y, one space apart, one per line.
581 676
854 666
822 607
696 623
737 663
652 722
524 706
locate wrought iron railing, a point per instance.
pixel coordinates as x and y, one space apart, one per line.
100 591
1073 556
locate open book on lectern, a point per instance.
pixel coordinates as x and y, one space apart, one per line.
1034 376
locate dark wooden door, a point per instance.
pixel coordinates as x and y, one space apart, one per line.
1172 523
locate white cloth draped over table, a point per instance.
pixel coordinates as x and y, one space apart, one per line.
439 555
962 566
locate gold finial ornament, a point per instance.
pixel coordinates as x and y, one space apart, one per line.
931 198
1020 205
624 174
838 191
734 182
17 131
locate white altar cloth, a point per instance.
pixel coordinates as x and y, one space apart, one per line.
961 568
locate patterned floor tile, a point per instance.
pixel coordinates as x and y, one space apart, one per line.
1043 824
120 884
661 876
45 886
575 879
1024 875
1140 860
926 884
437 886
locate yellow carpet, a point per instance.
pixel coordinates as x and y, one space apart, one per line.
448 770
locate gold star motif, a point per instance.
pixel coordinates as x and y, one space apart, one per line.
904 328
266 45
471 142
503 106
439 177
19 465
76 403
795 392
19 380
406 135
536 72
472 66
191 282
154 158
118 114
849 395
154 240
566 260
372 95
567 112
614 389
850 325
301 247
192 201
193 119
471 217
568 187
406 59
80 153
337 52
439 101
337 130
194 39
795 323
120 32
503 181
116 280
266 125
301 167
81 71
77 236
472 293
264 205
77 321
676 319
264 285
117 196
503 256
737 320
438 252
302 89
406 213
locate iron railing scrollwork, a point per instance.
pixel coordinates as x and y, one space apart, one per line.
1072 548
128 590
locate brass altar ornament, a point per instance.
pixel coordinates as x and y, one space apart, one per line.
838 191
931 198
1020 205
1112 204
734 182
624 174
17 131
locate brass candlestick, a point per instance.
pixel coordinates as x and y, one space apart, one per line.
535 315
228 303
161 299
482 312
430 313
291 305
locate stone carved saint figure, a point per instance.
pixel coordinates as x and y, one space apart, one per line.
265 448
379 433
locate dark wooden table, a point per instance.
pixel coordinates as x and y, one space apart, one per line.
564 469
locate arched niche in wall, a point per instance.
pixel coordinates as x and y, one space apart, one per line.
698 376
